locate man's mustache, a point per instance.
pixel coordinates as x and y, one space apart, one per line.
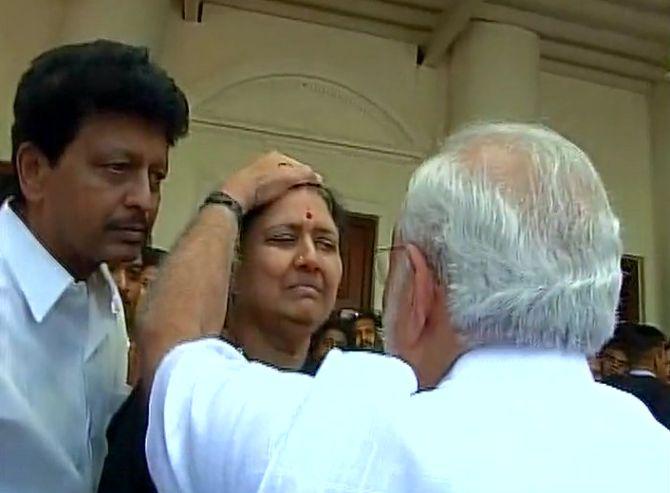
137 223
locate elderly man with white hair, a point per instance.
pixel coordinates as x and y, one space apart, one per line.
504 276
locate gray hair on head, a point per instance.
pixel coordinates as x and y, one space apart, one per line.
515 222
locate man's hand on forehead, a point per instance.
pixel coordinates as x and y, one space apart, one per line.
268 178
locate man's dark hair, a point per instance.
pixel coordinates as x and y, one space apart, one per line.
336 210
613 343
332 323
350 324
68 84
368 315
152 256
637 340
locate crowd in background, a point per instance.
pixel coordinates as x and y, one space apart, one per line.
623 352
636 360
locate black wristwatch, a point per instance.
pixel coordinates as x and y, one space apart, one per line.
221 198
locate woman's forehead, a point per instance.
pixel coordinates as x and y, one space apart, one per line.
297 206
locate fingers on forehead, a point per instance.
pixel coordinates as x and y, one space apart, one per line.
283 158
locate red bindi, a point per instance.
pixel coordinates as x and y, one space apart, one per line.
308 215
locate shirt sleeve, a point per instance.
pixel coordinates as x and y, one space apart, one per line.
216 418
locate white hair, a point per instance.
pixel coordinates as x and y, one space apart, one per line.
515 222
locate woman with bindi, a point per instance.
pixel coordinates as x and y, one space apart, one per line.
287 275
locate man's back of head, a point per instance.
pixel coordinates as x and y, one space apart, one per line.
515 221
505 273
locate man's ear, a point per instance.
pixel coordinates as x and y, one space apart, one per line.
421 292
32 168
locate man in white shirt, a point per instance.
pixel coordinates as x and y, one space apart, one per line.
93 124
504 276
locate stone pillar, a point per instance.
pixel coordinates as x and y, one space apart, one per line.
138 22
659 108
493 75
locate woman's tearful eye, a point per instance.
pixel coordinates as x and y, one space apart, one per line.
282 239
326 244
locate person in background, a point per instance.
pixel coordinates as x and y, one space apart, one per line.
93 124
612 358
364 330
127 277
285 282
329 336
132 279
595 366
152 258
645 348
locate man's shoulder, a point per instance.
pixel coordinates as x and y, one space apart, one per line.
378 372
636 408
200 351
10 294
5 271
612 380
639 385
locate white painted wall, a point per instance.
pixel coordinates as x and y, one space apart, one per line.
659 103
354 106
612 125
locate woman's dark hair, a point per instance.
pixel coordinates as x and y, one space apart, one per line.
336 210
68 84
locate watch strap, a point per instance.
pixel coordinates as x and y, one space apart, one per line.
218 197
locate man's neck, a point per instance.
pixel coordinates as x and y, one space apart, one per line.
642 370
80 271
264 344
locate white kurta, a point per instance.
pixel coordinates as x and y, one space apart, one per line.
63 363
502 420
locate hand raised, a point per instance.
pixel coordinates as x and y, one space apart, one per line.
268 178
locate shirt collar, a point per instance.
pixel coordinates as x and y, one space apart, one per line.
502 366
642 373
40 277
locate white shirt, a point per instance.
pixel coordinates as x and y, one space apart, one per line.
502 420
63 363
